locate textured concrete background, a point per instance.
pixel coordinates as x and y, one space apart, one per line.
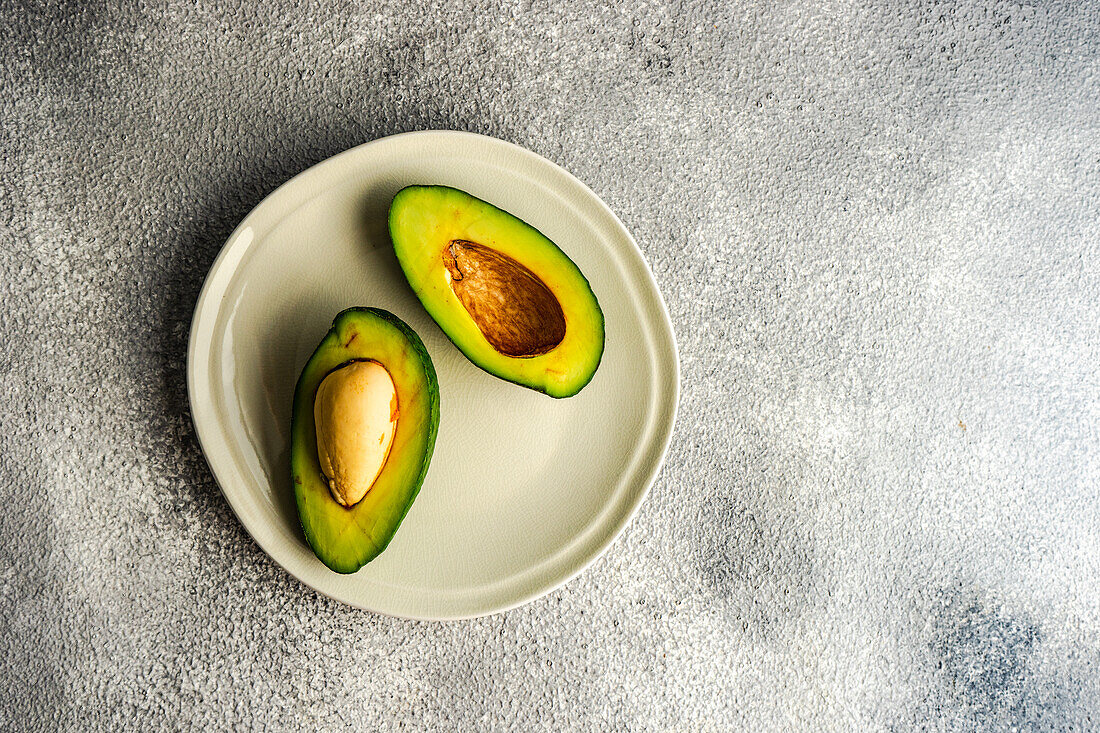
877 233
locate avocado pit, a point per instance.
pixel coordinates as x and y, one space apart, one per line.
511 306
355 413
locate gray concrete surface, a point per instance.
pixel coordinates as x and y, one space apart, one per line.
876 230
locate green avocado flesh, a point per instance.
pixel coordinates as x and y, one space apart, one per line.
345 539
507 296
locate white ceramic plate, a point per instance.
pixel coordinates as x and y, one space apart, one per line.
524 491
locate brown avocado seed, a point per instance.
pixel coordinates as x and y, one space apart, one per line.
515 311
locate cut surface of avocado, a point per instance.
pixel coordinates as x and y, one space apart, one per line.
365 418
505 295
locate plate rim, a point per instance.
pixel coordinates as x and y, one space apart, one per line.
648 477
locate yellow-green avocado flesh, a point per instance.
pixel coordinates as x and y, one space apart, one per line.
345 539
427 222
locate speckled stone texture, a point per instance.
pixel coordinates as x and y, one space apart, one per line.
877 233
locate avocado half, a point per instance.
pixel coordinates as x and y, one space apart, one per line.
506 295
345 539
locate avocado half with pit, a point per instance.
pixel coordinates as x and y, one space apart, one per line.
506 295
366 413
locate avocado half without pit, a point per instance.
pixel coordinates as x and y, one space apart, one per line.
366 413
506 295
